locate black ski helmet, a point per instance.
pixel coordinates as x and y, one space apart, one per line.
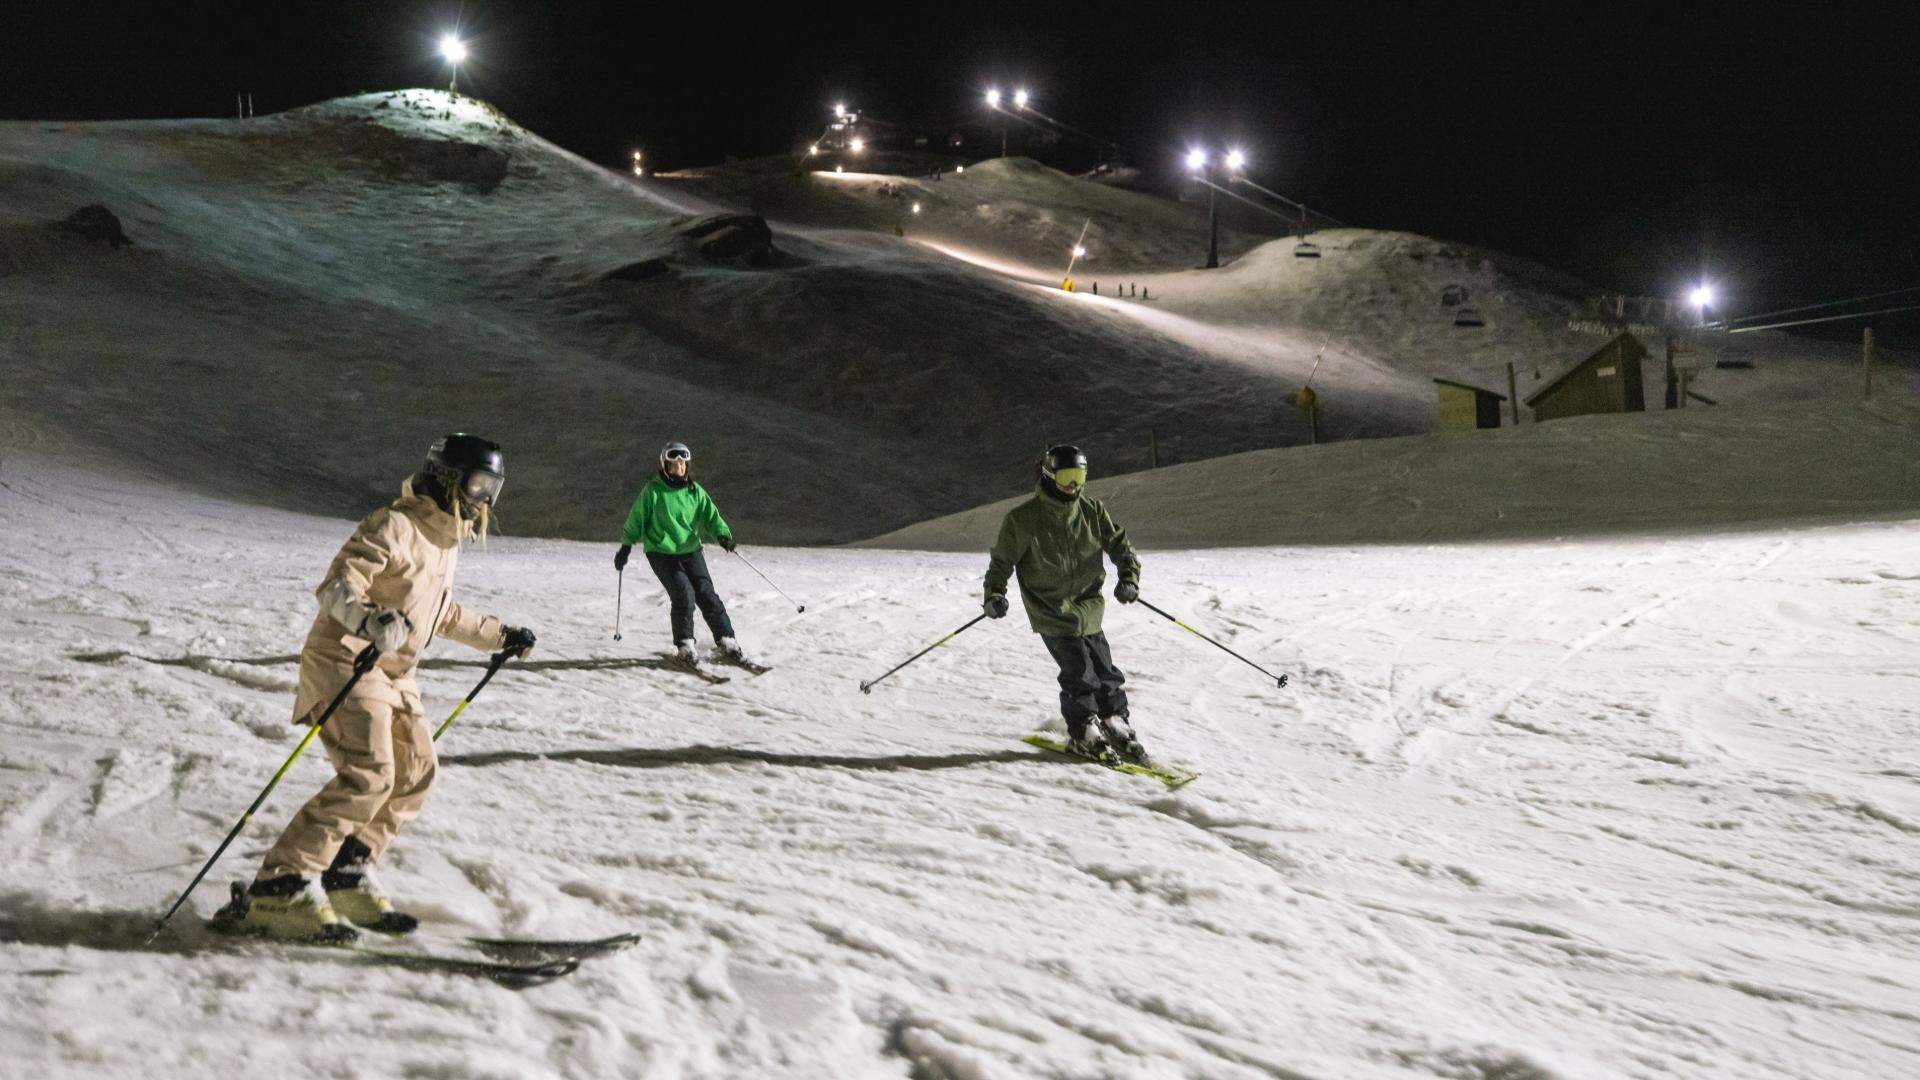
468 464
1063 457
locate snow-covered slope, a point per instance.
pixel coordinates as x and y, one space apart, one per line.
1603 808
1014 210
1735 465
360 276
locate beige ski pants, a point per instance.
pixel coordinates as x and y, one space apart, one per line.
382 750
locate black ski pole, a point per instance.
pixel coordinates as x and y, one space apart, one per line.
1280 679
802 608
361 665
499 658
619 594
867 687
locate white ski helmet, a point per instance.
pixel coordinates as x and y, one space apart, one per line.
675 451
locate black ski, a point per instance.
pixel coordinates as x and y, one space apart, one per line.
515 976
672 662
742 663
526 950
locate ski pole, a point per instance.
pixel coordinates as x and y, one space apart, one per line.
499 658
867 687
1280 679
619 594
361 665
799 607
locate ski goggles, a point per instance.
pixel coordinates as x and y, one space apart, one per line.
678 453
1070 479
482 488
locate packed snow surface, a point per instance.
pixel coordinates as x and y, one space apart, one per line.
1615 806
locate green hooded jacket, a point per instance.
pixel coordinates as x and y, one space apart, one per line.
668 520
1055 547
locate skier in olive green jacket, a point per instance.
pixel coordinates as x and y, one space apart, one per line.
1053 542
668 520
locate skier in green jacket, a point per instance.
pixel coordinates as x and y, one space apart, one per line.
668 520
1053 542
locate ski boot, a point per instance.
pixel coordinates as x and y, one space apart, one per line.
684 652
1125 745
730 650
288 907
356 894
1088 742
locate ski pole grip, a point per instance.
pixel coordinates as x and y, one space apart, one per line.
364 662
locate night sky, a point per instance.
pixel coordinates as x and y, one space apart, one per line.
1772 149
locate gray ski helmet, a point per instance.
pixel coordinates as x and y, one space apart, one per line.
473 466
675 451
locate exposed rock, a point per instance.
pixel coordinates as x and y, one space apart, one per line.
96 222
644 270
744 237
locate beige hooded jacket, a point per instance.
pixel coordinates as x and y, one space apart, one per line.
402 557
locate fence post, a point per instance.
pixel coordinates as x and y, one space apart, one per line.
1513 394
1866 364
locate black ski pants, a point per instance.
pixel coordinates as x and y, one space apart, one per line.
1089 683
688 584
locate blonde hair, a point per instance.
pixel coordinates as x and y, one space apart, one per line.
476 527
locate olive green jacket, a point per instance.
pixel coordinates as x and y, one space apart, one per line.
1054 547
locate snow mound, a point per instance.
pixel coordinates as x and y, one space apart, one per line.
1701 468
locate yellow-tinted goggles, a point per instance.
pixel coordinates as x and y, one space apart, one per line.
1067 479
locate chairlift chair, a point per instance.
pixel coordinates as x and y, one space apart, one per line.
1306 249
1468 317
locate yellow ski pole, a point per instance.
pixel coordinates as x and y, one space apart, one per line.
361 665
867 687
1281 680
499 658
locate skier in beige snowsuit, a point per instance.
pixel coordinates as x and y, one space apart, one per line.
391 587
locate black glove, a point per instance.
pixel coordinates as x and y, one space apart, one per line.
620 557
1126 592
728 542
995 607
519 640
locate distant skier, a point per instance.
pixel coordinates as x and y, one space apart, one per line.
668 519
1053 542
391 586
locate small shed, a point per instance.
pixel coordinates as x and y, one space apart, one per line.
1467 408
1606 382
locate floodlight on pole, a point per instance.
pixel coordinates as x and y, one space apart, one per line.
1701 297
839 109
1019 99
1236 160
857 145
1196 160
993 102
454 51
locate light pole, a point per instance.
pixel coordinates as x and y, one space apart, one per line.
454 50
993 102
1200 164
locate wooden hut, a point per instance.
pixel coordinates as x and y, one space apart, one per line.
1606 382
1467 408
